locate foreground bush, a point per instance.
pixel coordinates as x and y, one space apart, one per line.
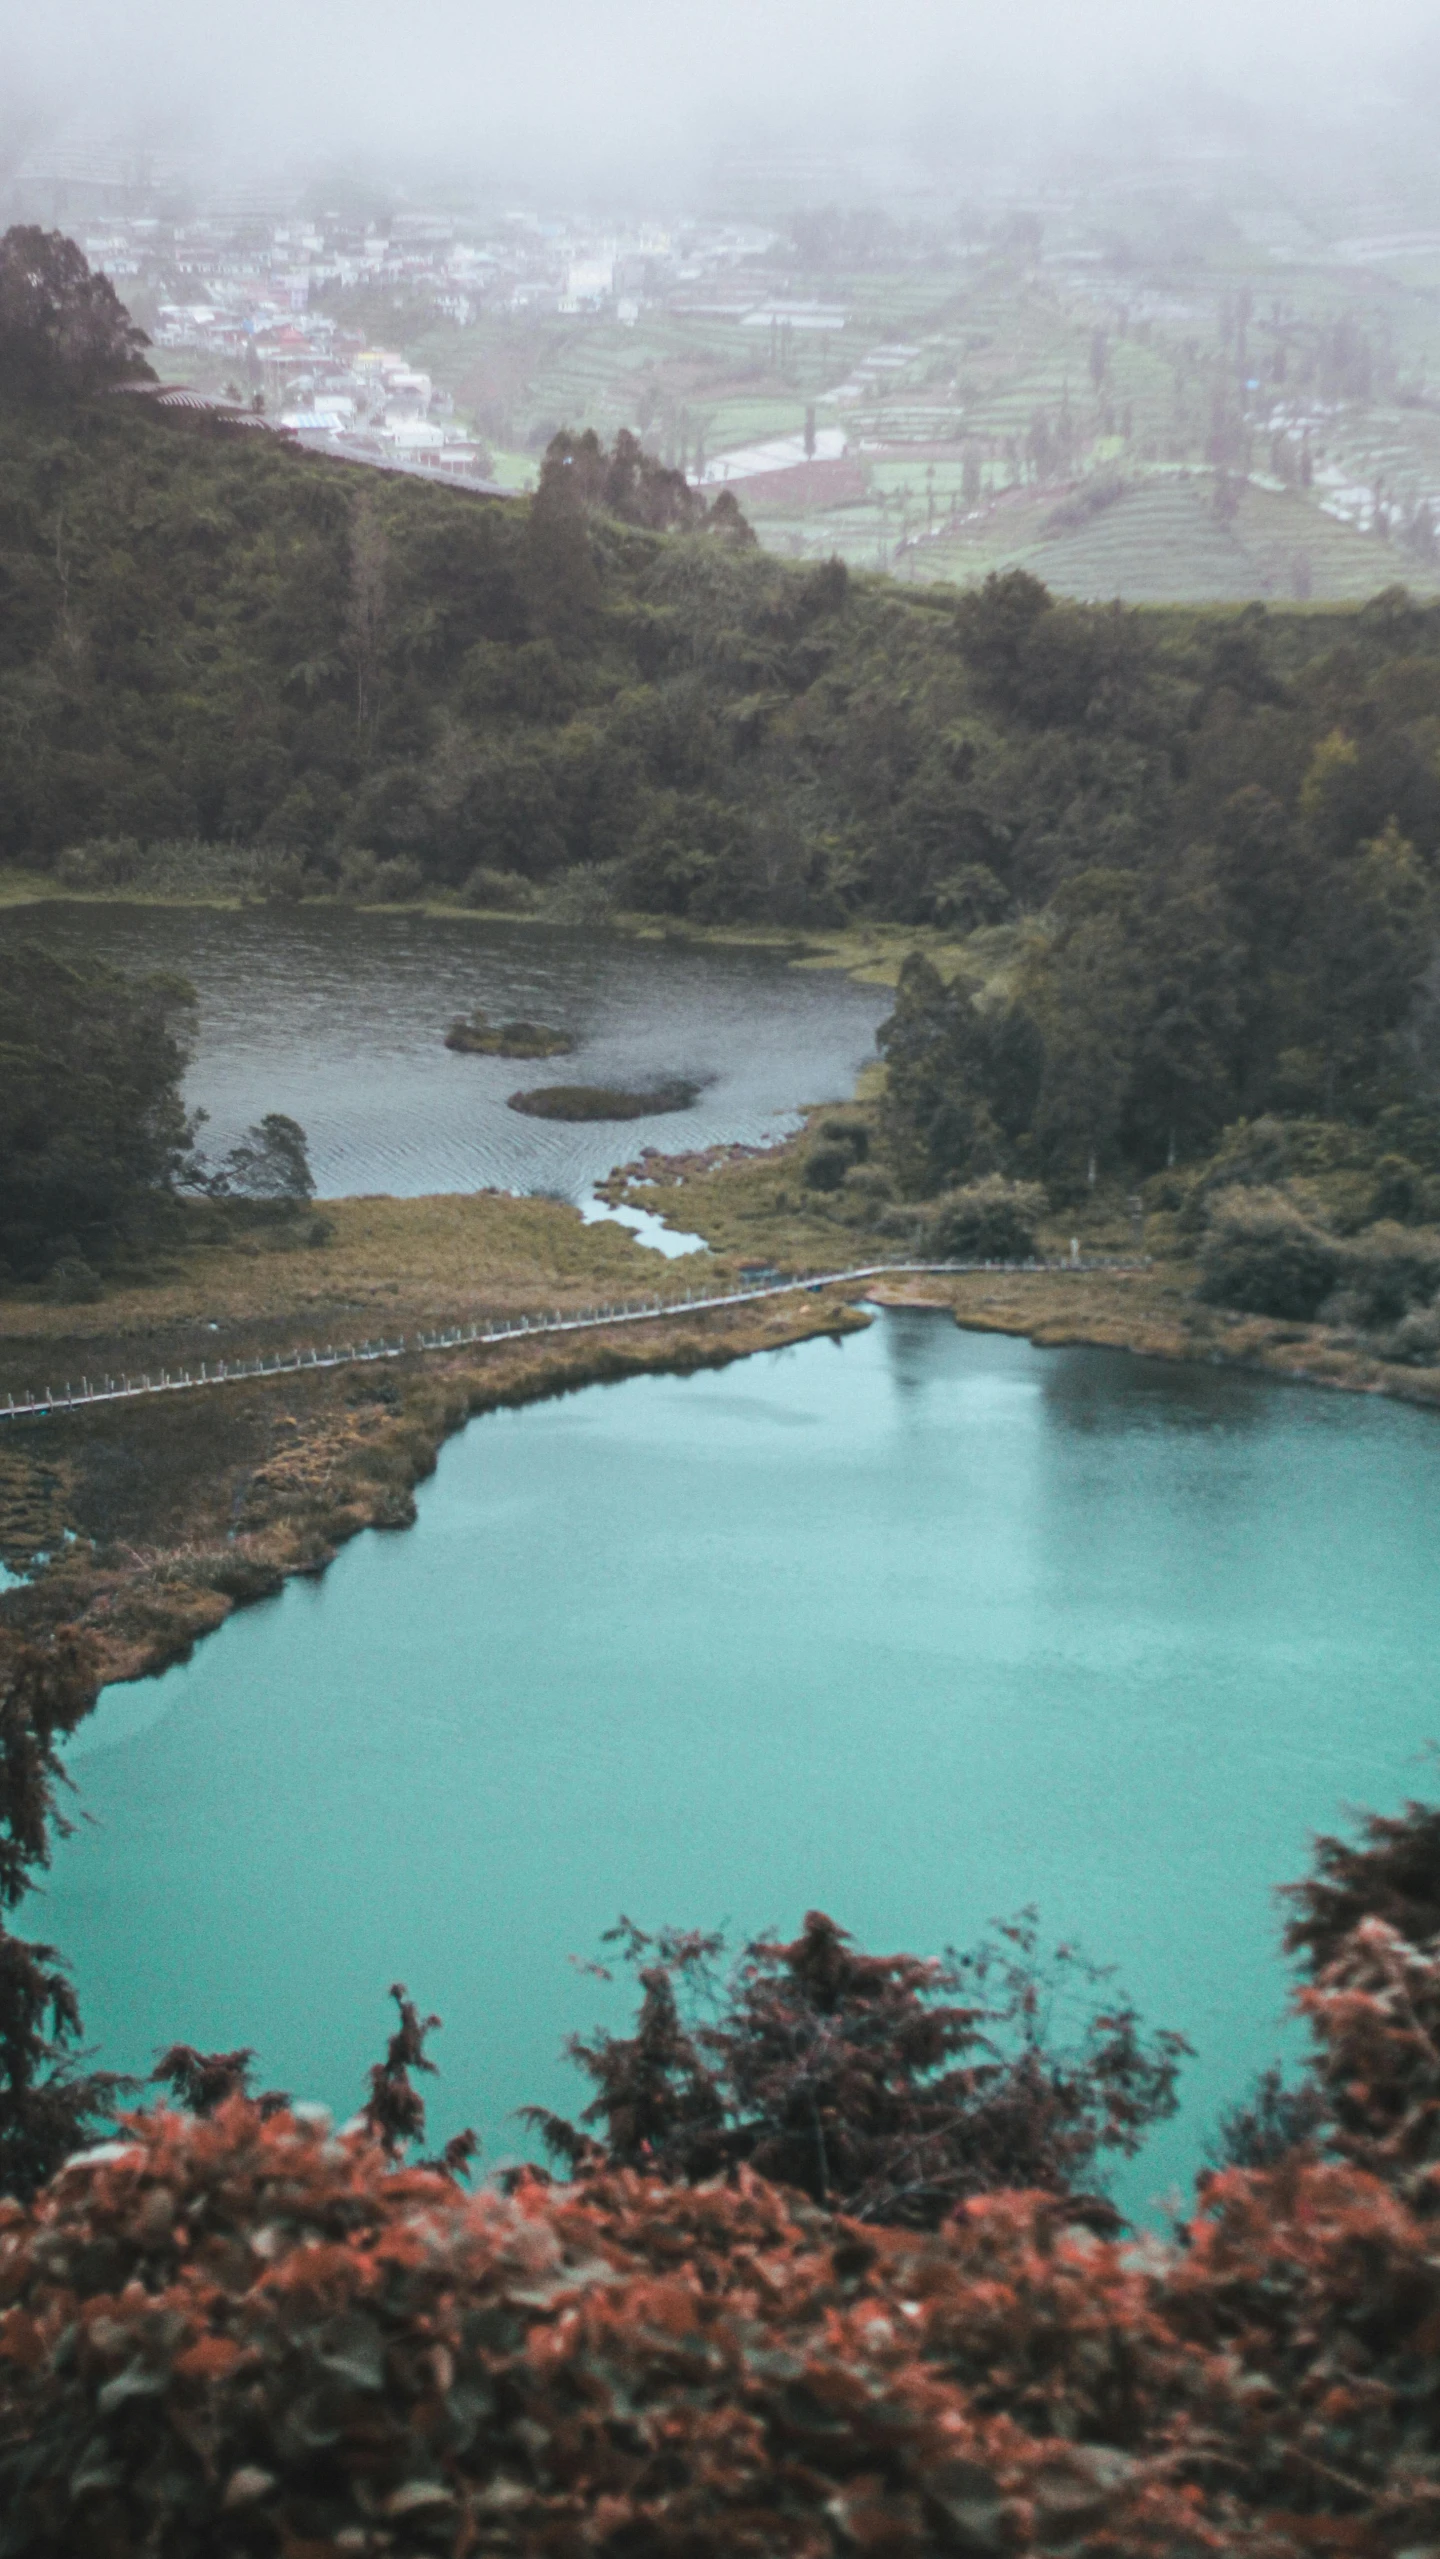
241 2336
231 2334
886 2087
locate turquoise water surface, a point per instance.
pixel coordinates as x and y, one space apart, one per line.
918 1628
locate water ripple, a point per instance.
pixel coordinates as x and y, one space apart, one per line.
339 1018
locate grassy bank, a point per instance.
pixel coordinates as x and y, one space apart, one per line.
160 1517
398 1263
755 1207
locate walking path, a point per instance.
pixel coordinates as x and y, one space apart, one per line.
650 1310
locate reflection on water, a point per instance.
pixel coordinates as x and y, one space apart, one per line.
1100 1392
918 1628
339 1019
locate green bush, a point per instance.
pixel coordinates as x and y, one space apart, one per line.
849 1133
1263 1257
1415 1342
988 1221
1389 1272
506 891
869 1182
108 862
1253 1155
583 893
75 1282
826 1167
371 882
1403 1191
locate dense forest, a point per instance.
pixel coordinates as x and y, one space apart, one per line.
1202 846
1184 862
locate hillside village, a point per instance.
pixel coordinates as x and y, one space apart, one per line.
1175 385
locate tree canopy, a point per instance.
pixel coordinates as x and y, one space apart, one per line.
885 2086
63 331
92 1126
1186 863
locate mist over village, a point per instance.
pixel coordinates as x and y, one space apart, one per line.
719 1281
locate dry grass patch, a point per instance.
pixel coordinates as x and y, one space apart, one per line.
390 1266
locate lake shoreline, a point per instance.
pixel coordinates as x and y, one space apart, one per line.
1261 1346
267 1478
871 954
730 1196
223 1497
343 1451
164 1515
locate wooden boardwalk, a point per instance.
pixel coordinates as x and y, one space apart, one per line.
649 1310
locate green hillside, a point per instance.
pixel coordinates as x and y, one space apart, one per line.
1185 861
1162 541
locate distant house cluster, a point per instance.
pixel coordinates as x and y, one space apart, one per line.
251 307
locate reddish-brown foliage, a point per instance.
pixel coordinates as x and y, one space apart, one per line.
889 2087
243 2335
233 2334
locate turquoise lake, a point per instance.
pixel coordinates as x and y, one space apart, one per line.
918 1628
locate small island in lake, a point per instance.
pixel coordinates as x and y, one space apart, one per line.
603 1102
477 1037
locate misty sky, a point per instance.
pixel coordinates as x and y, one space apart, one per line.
599 85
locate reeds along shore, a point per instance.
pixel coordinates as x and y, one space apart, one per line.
161 1513
111 1390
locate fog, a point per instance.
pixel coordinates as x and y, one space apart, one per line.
640 94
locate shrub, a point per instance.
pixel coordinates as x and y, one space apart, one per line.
1415 1342
106 862
1252 1155
232 2332
825 1167
75 1282
886 2086
506 891
399 882
1390 1271
852 1134
280 877
371 882
1262 1256
583 893
987 1221
1274 2120
904 1224
1399 1188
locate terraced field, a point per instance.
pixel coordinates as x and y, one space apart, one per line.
1162 542
977 394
